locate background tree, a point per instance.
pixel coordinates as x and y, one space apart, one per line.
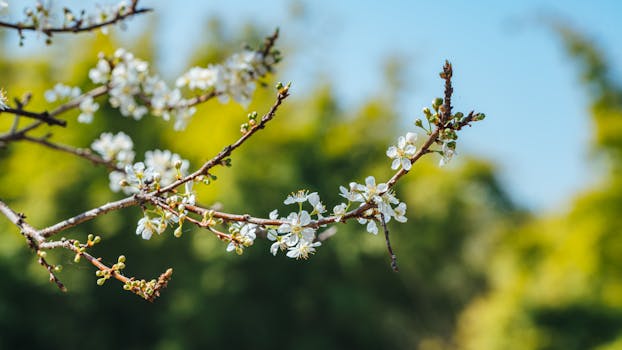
555 280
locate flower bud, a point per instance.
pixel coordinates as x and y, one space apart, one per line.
177 233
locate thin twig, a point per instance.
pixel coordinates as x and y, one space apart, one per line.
394 267
80 152
43 116
77 28
50 269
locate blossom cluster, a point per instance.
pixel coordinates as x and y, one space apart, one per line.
384 204
160 168
234 78
242 235
87 105
295 235
135 91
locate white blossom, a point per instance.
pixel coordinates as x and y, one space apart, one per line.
61 91
242 235
351 195
400 213
87 108
371 191
117 147
448 153
339 211
302 249
101 73
139 176
297 197
3 101
402 153
147 227
274 214
295 223
318 207
371 225
163 162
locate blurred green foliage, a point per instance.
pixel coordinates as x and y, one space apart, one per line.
556 281
476 271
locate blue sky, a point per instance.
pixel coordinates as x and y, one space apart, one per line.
507 64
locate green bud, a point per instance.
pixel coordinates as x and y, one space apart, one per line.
458 115
177 232
42 254
426 112
178 164
99 273
76 259
121 258
279 85
437 102
97 239
479 116
120 266
419 123
90 237
101 281
58 268
127 286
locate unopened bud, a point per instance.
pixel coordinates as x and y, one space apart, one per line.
177 233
